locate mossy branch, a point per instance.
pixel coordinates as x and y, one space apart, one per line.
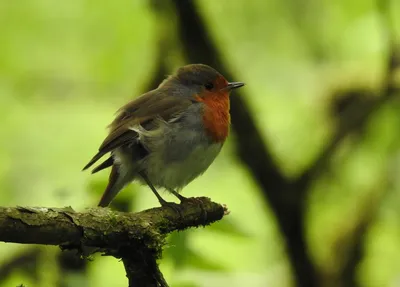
136 238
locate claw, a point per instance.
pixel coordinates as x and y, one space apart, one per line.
174 206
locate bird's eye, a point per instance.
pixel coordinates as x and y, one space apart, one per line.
209 86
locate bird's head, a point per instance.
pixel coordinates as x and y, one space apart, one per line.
203 81
205 85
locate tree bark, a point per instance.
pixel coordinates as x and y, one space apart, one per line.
136 238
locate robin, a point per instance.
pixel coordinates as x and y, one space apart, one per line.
169 136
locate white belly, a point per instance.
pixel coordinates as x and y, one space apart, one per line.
178 152
175 174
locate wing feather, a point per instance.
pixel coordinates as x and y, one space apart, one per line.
159 103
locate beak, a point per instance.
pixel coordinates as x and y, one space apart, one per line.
234 85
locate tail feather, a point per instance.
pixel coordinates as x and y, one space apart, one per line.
93 160
107 163
115 184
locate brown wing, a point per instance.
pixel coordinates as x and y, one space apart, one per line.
156 103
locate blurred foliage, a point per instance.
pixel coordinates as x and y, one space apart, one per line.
66 66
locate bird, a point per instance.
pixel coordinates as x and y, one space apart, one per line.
168 136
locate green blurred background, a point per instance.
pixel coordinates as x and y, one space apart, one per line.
67 66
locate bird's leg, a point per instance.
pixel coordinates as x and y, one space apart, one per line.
191 199
153 189
180 197
162 201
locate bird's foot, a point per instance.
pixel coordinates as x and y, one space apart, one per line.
174 206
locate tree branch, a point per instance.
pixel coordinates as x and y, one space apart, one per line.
136 238
199 48
252 150
26 260
356 115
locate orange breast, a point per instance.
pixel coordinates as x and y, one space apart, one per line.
216 115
